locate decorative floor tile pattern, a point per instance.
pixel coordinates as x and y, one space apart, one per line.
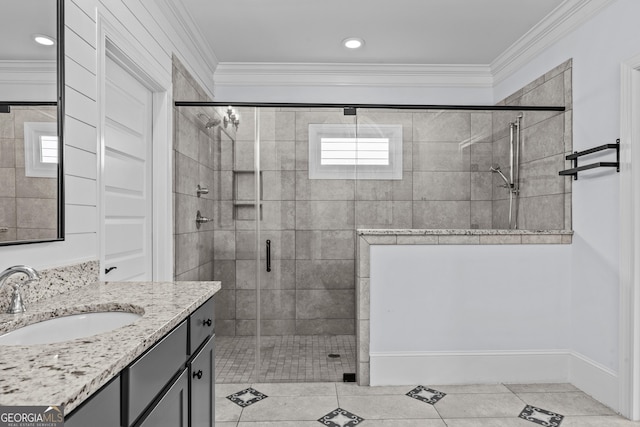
289 358
426 395
300 404
246 397
541 416
340 418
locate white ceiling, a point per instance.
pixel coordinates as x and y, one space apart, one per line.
19 20
395 31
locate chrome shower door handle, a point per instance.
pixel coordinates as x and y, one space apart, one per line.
268 256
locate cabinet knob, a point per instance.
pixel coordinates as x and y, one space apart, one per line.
197 374
207 322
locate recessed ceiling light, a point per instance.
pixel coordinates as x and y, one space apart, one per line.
353 43
43 40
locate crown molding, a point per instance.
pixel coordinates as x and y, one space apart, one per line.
191 44
568 16
34 66
561 21
324 74
28 72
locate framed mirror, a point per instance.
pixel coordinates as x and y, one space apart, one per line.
31 121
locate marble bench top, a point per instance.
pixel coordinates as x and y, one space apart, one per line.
67 373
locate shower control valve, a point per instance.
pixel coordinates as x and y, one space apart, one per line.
201 220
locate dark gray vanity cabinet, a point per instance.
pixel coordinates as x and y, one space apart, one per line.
101 410
171 385
146 377
173 408
202 386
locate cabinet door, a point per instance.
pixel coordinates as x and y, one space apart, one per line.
202 379
100 410
173 408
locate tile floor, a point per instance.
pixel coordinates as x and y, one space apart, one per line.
347 405
289 358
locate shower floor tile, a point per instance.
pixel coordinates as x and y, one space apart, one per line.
288 358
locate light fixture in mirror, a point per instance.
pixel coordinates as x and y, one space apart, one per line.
31 119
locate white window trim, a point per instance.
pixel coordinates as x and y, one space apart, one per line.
33 165
392 171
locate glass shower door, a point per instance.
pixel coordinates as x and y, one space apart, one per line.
275 240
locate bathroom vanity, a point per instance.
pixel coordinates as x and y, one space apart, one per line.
157 371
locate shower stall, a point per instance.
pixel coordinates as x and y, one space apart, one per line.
288 186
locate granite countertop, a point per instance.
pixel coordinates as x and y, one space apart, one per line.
458 232
67 373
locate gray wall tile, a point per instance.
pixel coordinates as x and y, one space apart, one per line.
8 213
481 157
41 188
185 213
381 214
481 185
551 92
325 326
542 140
443 214
225 272
325 215
441 156
325 274
540 177
326 244
325 304
441 186
282 244
323 189
441 126
281 276
542 213
29 213
8 179
371 189
7 153
186 250
224 245
275 304
481 214
225 305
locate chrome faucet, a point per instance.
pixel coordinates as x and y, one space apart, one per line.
17 306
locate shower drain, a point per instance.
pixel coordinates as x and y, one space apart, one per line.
333 355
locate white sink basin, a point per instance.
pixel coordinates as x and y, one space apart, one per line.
67 328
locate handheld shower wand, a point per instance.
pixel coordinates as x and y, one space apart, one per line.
507 184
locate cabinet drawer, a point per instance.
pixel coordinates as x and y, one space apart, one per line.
202 380
149 374
101 410
201 325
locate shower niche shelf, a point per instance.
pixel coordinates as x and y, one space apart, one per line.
240 202
574 157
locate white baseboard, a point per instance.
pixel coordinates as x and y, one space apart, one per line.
594 379
470 367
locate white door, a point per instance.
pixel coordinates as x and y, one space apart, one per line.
126 176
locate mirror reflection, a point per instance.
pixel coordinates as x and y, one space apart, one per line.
29 139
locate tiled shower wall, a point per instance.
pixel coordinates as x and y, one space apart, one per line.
446 183
195 154
28 205
545 198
